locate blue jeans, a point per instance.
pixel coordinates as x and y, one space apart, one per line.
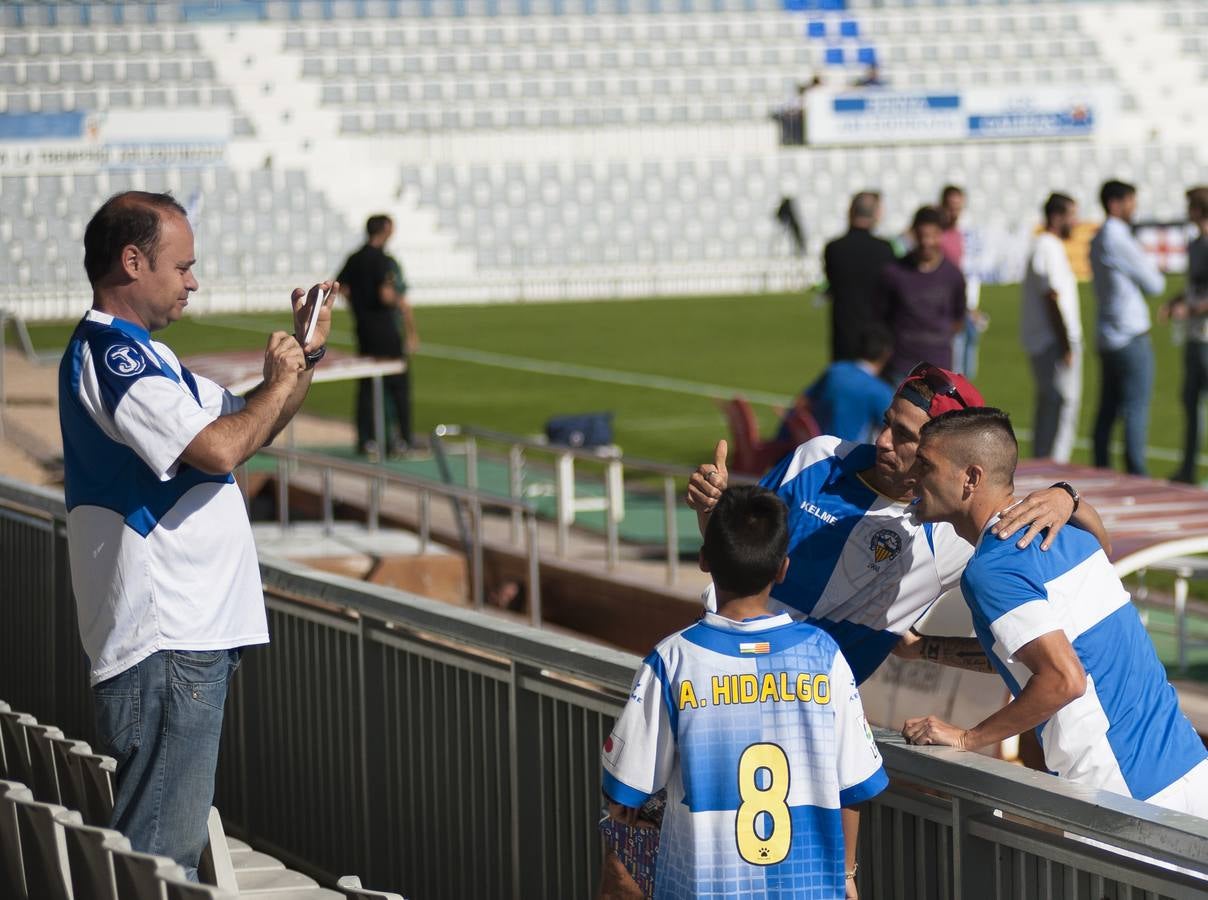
162 721
1126 384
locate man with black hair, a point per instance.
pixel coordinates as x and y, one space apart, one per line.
849 398
1058 627
1123 275
1050 326
922 300
853 265
740 693
163 565
373 284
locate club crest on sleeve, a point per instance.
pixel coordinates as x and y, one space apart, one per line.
125 360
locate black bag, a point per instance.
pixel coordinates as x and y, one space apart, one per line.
582 430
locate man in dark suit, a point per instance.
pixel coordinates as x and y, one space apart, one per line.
853 268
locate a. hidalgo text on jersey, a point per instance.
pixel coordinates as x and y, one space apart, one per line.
771 687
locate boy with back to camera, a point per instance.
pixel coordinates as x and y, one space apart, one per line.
754 725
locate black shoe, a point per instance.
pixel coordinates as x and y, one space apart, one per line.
1183 478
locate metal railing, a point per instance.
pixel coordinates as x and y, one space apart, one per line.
568 500
446 753
378 478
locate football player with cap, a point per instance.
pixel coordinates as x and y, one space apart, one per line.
862 567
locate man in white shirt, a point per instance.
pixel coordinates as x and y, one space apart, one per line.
163 565
1050 328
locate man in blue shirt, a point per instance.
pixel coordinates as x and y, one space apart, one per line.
849 398
1059 628
1123 274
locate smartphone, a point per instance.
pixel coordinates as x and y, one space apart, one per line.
315 298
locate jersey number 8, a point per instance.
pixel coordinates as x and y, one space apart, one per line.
763 804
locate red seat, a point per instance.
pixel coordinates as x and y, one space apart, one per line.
750 454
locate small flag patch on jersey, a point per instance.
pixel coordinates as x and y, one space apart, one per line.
755 647
612 748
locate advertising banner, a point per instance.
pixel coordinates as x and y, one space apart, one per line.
83 141
883 116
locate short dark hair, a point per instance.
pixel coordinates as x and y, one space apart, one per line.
1056 205
376 224
949 190
864 205
1197 199
983 435
131 217
927 215
874 342
1113 191
746 539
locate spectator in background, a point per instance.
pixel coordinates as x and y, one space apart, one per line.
1191 307
1123 274
373 284
871 78
849 399
922 300
854 264
952 243
1050 327
952 204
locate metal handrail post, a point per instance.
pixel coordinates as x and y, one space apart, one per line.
515 487
610 521
671 527
373 519
477 576
425 521
471 446
283 492
379 417
329 513
534 569
564 499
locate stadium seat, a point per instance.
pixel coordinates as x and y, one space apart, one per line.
137 875
67 767
96 780
43 849
175 889
45 779
16 745
750 454
12 869
90 857
351 886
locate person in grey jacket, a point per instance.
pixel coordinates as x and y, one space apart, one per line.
1123 275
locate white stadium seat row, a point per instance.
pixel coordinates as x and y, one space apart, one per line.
56 797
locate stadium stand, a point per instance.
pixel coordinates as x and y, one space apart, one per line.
543 149
51 851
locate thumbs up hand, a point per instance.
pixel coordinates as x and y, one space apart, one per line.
709 480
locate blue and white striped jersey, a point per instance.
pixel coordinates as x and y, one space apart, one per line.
860 566
1126 733
162 556
757 732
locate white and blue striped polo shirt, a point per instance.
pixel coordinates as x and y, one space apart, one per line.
757 731
860 566
162 556
1126 733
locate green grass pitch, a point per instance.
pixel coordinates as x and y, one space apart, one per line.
512 366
